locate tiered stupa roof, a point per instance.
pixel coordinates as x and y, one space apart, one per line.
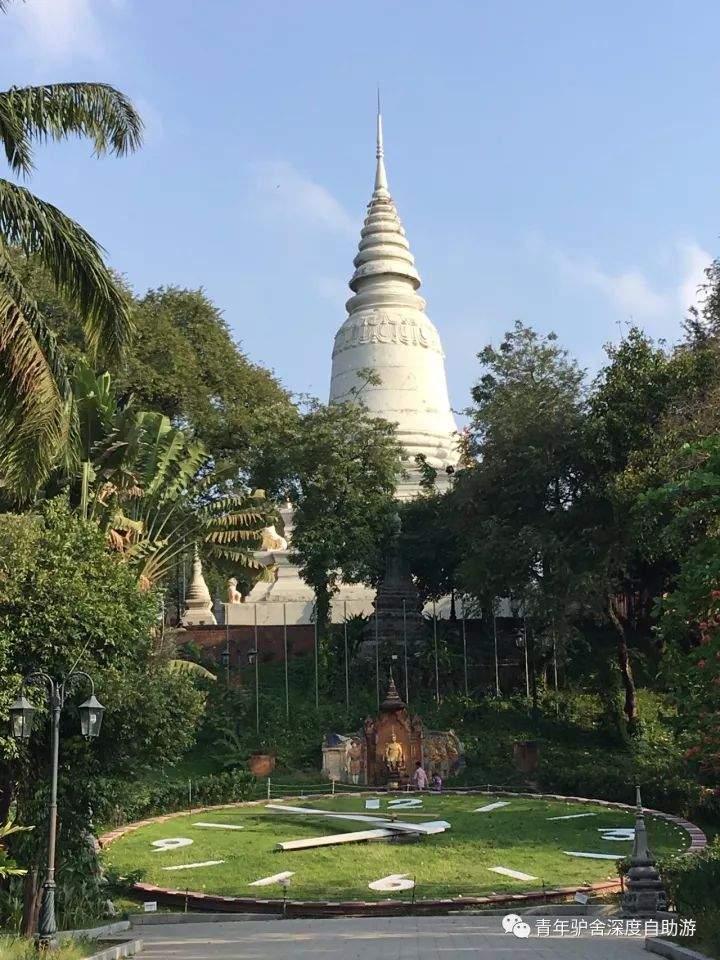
388 331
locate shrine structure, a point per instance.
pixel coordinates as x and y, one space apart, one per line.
389 747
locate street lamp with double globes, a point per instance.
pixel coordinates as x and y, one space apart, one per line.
22 714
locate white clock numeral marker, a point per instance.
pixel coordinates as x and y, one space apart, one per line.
171 843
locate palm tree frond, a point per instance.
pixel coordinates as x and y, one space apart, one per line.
189 666
36 413
74 261
57 111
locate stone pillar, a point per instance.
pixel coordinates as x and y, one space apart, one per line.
198 602
397 606
644 893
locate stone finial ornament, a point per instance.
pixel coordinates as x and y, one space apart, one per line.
198 602
644 893
392 700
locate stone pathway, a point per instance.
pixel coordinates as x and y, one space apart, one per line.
367 938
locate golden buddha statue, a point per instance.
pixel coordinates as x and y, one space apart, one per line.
394 755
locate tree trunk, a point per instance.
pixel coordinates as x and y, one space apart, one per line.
631 707
6 792
322 608
31 903
530 639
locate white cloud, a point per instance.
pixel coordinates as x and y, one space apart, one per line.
333 290
57 30
289 195
695 260
630 291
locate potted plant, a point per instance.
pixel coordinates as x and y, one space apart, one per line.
262 758
258 754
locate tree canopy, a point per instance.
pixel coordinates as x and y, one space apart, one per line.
183 362
66 602
345 466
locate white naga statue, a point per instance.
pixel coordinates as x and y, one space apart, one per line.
233 594
271 539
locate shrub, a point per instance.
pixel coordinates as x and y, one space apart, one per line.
117 802
692 884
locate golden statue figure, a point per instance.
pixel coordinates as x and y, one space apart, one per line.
394 755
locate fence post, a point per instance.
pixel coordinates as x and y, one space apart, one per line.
333 787
190 792
268 788
435 644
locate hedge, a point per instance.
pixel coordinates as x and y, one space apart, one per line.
116 802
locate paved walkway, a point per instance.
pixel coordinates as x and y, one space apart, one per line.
381 938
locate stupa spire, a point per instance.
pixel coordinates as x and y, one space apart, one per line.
381 183
388 331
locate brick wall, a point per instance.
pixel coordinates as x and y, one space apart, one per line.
240 639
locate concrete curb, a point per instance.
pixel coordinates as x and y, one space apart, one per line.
153 919
166 919
316 908
96 933
664 948
124 948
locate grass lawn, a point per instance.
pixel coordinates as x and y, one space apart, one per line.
519 837
20 948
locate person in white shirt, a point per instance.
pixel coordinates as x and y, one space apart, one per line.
420 780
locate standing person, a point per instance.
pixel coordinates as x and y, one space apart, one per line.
420 780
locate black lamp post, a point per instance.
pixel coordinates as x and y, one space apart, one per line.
252 656
22 714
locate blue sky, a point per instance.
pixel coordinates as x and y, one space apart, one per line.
555 162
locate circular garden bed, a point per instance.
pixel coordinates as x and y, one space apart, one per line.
523 846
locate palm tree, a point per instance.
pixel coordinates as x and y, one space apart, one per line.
35 408
155 491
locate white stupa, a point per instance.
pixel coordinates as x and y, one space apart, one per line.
387 331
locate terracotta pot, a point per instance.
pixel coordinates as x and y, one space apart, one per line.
526 754
261 764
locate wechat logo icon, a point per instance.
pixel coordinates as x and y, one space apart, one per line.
514 924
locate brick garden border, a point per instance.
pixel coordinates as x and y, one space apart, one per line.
219 904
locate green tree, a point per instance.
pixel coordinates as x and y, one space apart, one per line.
432 543
34 389
183 362
346 465
641 402
684 519
65 602
518 505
